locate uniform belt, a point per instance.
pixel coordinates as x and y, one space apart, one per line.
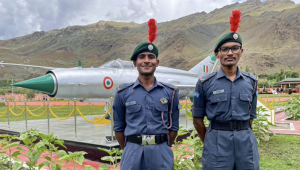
230 126
148 139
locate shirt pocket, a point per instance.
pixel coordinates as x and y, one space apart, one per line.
244 103
159 109
219 103
215 98
133 112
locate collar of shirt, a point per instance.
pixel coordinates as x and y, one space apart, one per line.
156 83
221 74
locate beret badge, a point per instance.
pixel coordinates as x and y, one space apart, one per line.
150 47
235 36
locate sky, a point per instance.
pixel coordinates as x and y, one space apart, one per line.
22 17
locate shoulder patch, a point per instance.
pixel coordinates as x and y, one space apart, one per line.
207 77
196 94
124 86
253 77
171 86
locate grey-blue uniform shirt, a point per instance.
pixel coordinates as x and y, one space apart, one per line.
138 111
220 99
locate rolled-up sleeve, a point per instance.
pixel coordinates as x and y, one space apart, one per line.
253 104
119 114
175 113
199 101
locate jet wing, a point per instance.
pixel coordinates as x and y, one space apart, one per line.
24 65
185 90
185 86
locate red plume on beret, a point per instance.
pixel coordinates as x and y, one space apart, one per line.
152 30
235 19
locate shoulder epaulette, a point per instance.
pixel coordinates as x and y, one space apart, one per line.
253 77
171 86
207 77
124 86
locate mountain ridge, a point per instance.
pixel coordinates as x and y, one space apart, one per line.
270 32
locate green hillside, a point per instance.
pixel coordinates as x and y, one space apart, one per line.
270 31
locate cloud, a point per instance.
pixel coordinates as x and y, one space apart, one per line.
22 17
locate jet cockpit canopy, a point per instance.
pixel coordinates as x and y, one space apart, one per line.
118 64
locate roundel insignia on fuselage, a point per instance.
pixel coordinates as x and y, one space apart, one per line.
108 83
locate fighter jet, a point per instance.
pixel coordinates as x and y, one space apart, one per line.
88 84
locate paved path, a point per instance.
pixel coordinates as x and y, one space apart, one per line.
276 98
294 125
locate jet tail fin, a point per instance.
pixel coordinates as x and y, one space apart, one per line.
206 66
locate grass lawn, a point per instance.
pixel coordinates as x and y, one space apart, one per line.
278 95
277 104
282 152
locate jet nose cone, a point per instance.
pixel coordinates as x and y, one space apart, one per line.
44 84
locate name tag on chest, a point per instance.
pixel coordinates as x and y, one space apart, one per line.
130 103
218 91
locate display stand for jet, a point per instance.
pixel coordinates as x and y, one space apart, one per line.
75 118
8 115
111 138
186 117
48 114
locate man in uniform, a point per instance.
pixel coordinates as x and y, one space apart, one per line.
228 99
146 116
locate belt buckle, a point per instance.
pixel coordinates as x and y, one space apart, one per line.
148 140
234 125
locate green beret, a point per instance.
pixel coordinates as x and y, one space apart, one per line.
143 47
228 37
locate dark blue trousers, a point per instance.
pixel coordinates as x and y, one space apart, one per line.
230 150
148 157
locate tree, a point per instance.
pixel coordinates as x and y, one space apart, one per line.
241 68
263 83
247 69
30 94
295 75
263 75
272 83
281 75
271 77
288 73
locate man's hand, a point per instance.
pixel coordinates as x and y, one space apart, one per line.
121 139
172 135
200 127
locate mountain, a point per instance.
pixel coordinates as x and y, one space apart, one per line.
270 32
